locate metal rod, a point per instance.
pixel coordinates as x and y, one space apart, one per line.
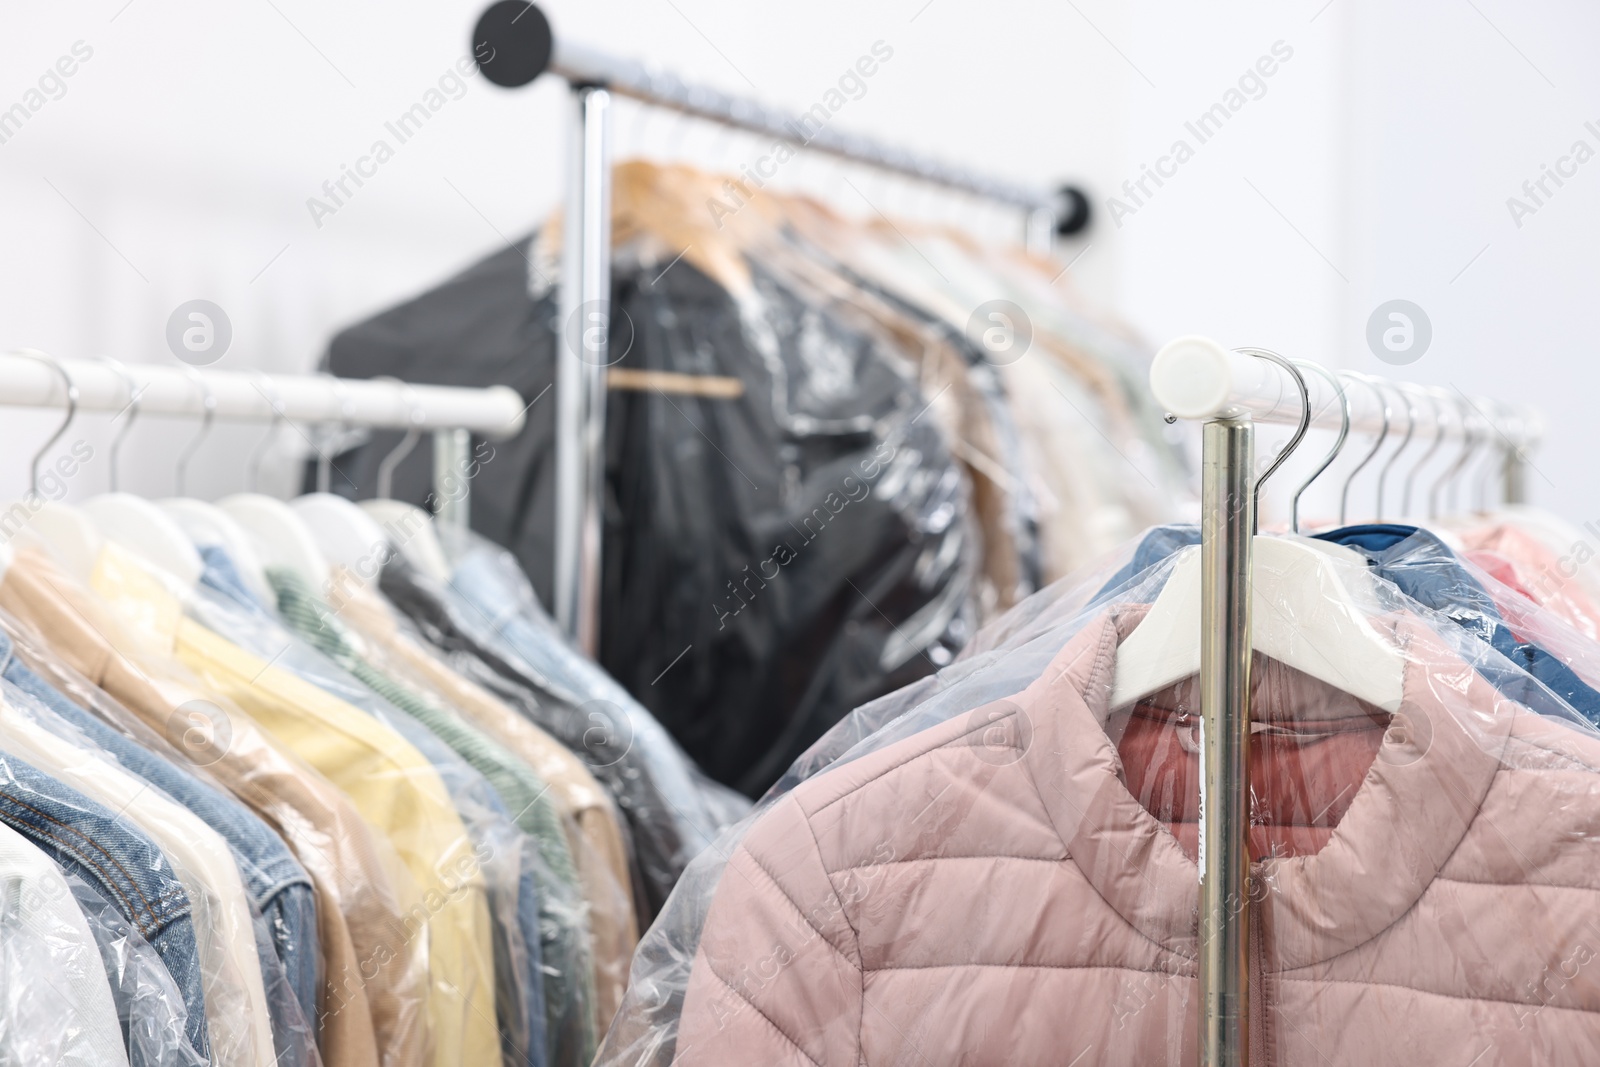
452 477
584 66
583 355
1227 522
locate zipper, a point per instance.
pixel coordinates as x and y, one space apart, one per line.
1260 1055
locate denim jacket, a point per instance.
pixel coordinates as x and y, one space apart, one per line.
277 884
120 862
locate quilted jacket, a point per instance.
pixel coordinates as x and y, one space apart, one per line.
993 891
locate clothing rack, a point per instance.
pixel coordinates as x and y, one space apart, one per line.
1196 378
33 379
514 44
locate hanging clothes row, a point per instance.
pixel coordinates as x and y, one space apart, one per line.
310 783
999 863
824 467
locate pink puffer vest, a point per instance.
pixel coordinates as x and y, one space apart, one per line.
989 892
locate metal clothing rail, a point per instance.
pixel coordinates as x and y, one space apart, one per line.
33 379
1196 378
513 44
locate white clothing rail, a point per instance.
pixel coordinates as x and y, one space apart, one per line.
1196 378
35 381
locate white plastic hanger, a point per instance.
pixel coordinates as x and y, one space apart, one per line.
410 530
346 535
148 532
140 526
206 524
280 537
67 536
1302 615
60 530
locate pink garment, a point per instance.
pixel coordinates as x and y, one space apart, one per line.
989 892
1549 579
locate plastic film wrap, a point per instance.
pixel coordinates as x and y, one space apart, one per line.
1014 880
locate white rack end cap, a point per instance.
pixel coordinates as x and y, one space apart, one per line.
1192 377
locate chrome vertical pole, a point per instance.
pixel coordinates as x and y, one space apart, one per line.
452 476
581 368
1226 534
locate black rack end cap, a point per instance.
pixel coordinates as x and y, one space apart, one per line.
512 43
1074 213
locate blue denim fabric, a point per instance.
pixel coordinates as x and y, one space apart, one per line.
1426 570
120 862
222 574
482 812
276 882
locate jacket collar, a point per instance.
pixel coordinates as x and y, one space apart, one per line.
1433 770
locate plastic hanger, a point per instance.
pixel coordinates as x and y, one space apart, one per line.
144 529
1303 614
410 531
59 529
280 536
346 534
206 524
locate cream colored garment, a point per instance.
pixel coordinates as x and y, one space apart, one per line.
592 824
236 1001
374 978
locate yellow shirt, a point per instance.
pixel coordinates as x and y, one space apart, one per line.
389 781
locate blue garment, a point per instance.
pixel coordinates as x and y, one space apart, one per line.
1426 570
233 612
121 863
222 574
276 882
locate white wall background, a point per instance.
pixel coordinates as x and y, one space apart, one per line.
1376 165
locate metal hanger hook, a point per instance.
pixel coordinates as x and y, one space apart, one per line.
341 393
131 408
1461 427
1438 439
1498 453
1471 439
416 417
1377 446
265 386
1338 445
209 408
1405 442
1299 433
72 412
